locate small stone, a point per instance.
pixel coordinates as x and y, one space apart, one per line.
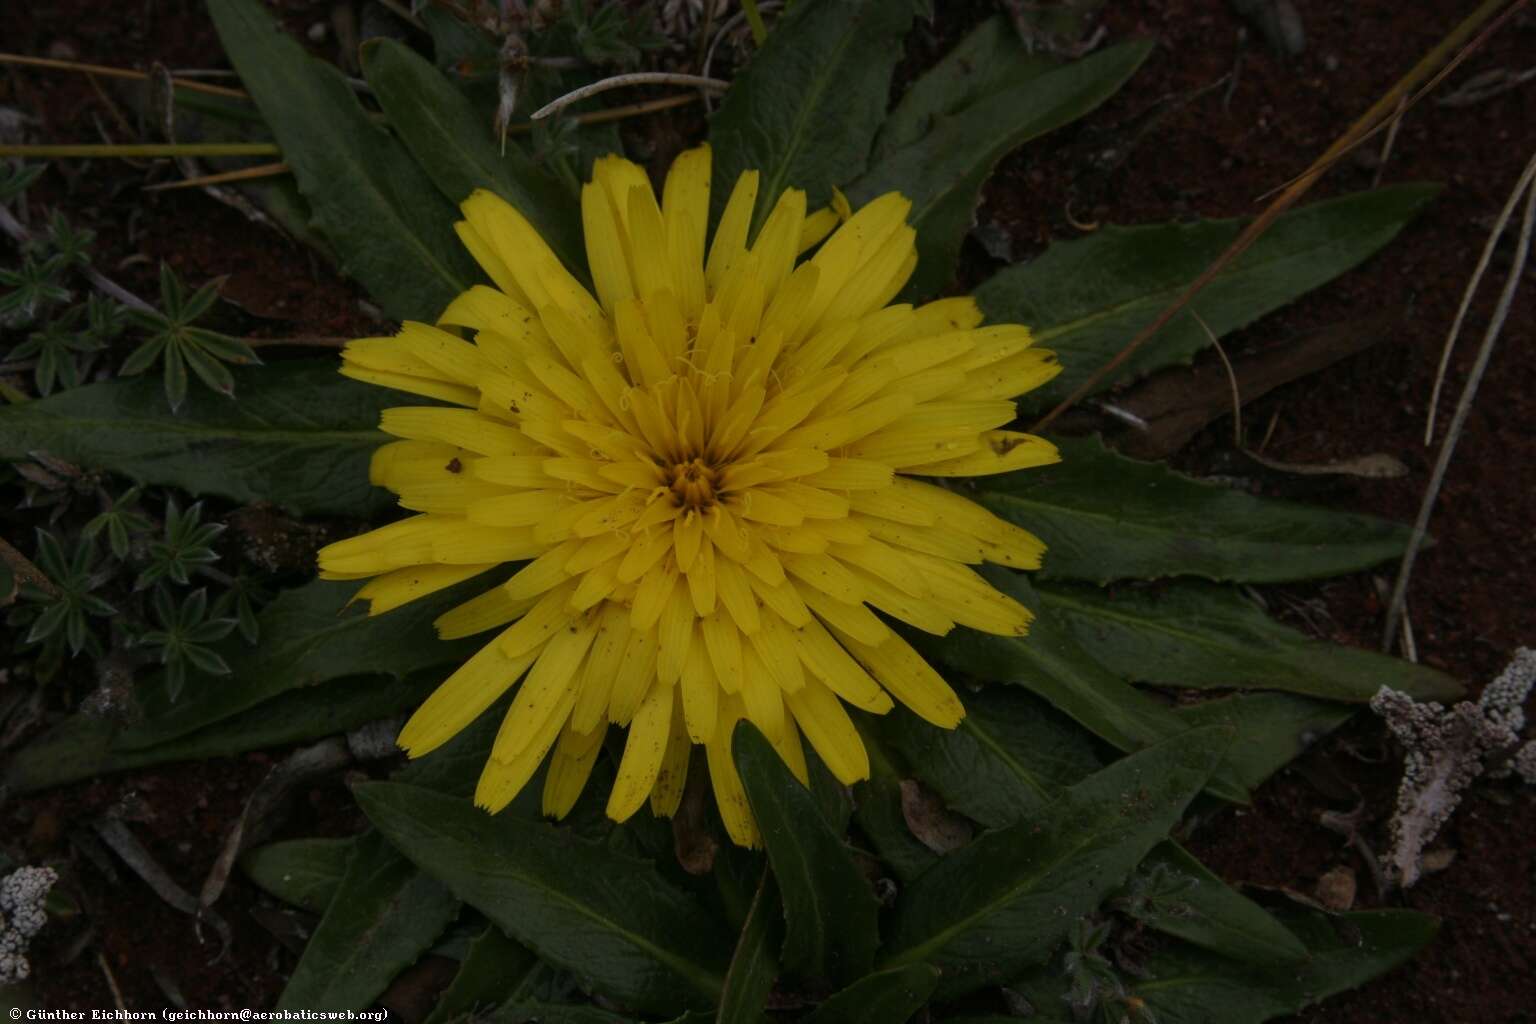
1336 889
1438 860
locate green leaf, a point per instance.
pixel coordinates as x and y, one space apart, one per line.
388 224
1273 729
300 436
1005 900
1050 663
878 812
384 915
311 635
1205 911
805 110
496 970
830 912
1104 517
942 172
1207 636
303 872
1085 299
83 746
1012 754
754 965
990 60
454 145
884 997
1186 985
609 919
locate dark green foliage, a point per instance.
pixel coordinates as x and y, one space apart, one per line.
122 520
302 416
177 343
184 636
57 616
185 547
57 346
15 179
612 32
829 909
72 246
34 287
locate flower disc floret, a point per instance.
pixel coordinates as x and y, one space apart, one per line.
716 467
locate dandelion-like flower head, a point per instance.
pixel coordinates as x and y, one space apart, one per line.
713 470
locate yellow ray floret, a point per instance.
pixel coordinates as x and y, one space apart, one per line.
710 473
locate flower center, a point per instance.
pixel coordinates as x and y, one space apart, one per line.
693 484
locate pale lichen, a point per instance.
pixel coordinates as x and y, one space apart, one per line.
22 894
1447 749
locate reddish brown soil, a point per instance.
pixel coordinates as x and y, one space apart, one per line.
1213 156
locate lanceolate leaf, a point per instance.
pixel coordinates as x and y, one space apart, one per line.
1176 894
990 60
1201 635
1052 664
806 108
384 915
884 997
304 872
454 146
496 970
611 920
299 436
1012 754
388 224
1104 517
311 634
82 746
754 965
942 172
1005 900
1192 986
1273 729
829 909
1086 298
878 812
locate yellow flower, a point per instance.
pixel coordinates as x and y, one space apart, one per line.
711 470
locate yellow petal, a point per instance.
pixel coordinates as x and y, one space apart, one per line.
402 586
473 687
821 717
644 751
667 793
569 768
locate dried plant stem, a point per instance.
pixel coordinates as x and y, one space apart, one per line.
132 150
1237 398
110 72
243 174
1472 286
1460 39
623 81
1459 419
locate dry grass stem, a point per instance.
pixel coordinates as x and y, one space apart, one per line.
1472 286
110 72
624 81
1453 48
1463 407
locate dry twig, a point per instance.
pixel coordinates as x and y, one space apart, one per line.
1463 408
